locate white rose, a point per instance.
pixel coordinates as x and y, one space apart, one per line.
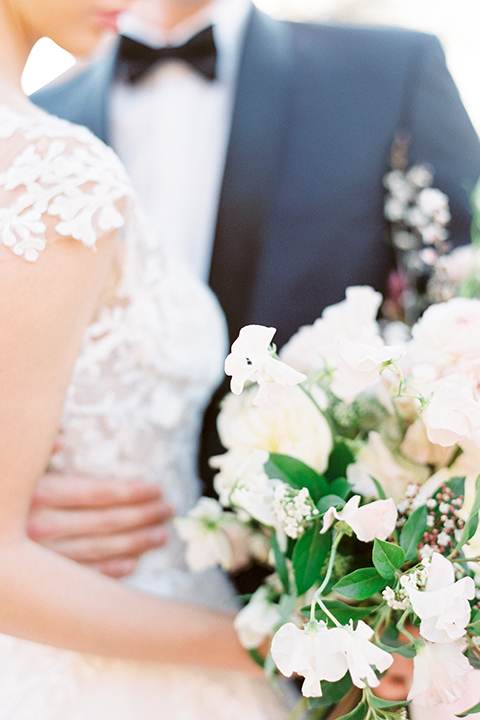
376 461
447 337
243 483
291 425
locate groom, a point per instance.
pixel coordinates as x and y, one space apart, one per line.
261 159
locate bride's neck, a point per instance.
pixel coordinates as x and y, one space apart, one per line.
14 51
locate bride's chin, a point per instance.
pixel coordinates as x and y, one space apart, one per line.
83 45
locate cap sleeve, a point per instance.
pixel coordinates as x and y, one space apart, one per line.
56 180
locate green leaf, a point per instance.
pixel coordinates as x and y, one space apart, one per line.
280 563
311 551
342 611
473 659
340 457
474 709
472 522
358 713
407 651
297 474
380 704
361 584
387 557
380 490
329 501
412 532
340 487
456 485
474 624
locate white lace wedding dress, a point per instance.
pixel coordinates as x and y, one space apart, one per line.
149 362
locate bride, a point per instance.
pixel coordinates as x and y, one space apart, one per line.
107 338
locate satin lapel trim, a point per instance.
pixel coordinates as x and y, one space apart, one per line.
254 150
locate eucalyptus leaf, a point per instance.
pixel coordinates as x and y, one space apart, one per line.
361 584
297 474
311 551
413 531
387 557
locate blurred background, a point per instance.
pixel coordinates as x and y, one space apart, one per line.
456 22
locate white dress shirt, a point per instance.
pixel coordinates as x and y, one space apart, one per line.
171 130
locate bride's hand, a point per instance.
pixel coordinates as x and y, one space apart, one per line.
106 524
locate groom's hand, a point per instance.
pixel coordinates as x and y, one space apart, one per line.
106 524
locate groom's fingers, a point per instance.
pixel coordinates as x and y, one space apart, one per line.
99 549
81 491
55 523
105 523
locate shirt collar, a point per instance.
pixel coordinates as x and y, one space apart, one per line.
228 17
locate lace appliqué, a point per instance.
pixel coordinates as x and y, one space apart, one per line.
59 171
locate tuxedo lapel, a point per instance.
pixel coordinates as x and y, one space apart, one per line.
93 97
250 170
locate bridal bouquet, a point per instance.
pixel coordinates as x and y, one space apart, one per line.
351 471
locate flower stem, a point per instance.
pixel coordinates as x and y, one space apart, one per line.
337 536
300 708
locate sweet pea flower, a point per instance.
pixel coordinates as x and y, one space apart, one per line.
361 654
359 365
256 621
374 520
439 674
443 606
207 542
452 414
252 359
319 653
353 319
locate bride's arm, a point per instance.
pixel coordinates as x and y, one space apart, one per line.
44 309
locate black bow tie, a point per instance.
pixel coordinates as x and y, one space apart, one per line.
134 59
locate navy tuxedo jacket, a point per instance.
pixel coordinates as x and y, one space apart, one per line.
317 108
